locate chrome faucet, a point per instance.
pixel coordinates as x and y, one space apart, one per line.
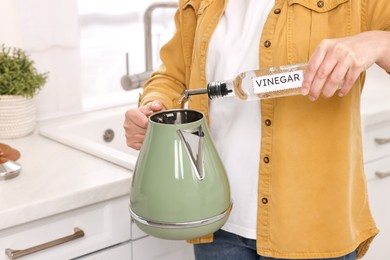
128 81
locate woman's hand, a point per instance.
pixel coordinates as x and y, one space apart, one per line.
136 123
338 62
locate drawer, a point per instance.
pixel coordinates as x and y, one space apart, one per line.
376 141
378 170
104 224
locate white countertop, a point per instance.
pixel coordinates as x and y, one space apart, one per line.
54 179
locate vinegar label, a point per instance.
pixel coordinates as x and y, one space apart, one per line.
276 82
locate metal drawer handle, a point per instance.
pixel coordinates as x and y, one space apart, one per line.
14 254
382 174
382 140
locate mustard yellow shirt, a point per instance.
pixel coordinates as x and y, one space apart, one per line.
312 195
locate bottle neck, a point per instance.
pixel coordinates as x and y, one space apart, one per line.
214 90
218 89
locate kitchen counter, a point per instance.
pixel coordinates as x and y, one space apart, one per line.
54 179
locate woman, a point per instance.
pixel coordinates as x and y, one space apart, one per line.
295 164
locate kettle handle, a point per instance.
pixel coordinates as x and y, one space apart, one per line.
197 160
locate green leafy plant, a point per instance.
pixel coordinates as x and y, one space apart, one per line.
18 76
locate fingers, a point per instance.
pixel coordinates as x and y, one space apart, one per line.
135 126
333 66
350 78
322 78
324 72
334 79
136 123
312 68
152 107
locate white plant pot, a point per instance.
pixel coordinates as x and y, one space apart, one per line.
17 116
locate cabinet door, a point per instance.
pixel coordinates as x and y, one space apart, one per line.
150 248
120 252
379 197
376 141
104 224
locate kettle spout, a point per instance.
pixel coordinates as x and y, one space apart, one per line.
193 141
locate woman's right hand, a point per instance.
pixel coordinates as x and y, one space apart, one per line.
136 123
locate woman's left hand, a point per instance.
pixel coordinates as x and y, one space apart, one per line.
338 62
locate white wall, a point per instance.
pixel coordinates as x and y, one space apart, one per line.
48 31
10 29
82 43
106 36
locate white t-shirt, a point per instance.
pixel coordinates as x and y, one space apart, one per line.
236 125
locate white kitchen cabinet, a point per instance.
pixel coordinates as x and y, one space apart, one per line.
150 248
376 142
108 234
118 252
104 224
136 233
379 196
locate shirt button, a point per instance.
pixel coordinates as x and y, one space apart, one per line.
264 200
267 122
267 43
266 159
277 11
320 4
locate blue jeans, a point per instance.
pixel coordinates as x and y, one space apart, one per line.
229 246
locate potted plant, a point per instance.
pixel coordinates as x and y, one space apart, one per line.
19 83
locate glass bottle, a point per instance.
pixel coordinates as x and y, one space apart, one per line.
258 84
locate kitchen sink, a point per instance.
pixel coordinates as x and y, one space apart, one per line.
99 133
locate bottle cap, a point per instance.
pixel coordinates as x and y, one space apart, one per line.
217 89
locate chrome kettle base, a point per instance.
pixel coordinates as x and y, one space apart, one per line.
181 230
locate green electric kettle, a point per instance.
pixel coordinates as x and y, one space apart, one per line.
179 189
